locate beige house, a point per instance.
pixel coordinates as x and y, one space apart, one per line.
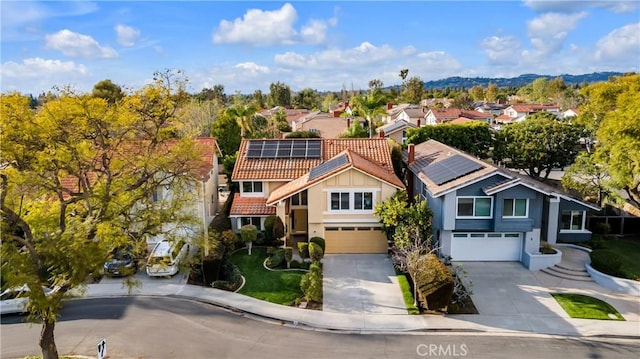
396 131
318 187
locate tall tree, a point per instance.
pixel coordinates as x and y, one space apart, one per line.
279 95
307 98
491 93
258 99
370 106
355 130
414 90
243 113
537 145
78 180
618 139
376 84
107 90
227 133
589 178
462 101
477 93
474 137
216 93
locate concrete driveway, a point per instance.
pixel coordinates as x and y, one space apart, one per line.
361 283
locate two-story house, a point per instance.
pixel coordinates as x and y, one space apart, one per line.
396 130
318 187
486 213
435 116
519 112
201 184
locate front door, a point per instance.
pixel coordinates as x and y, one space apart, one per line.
299 221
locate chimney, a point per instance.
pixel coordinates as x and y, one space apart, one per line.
424 109
412 153
389 106
419 122
348 122
381 133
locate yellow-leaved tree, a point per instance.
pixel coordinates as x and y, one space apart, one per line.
77 178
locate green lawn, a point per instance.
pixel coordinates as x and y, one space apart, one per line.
281 287
406 294
585 307
626 252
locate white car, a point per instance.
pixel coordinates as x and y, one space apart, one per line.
14 300
166 257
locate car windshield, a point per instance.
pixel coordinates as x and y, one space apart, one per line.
159 261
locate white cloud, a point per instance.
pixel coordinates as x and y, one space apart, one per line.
252 68
74 44
127 35
578 5
38 74
501 50
276 27
620 45
259 27
315 32
547 32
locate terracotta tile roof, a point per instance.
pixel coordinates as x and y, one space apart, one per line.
443 114
328 126
504 119
475 115
375 150
532 107
250 206
207 147
354 160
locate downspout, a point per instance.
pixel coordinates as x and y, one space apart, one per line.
205 230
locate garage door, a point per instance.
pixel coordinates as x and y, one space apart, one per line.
355 240
486 246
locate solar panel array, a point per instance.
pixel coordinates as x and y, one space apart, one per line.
450 168
284 149
324 168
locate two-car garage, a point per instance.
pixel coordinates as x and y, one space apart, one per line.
485 246
345 239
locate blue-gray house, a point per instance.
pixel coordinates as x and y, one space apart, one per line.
482 212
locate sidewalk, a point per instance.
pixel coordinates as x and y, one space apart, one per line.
384 323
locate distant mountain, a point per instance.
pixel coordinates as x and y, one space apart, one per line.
468 82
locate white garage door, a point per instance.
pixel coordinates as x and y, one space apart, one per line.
486 246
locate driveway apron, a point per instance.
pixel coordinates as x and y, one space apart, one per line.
361 283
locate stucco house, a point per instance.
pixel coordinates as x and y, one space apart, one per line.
396 131
519 112
318 187
202 184
486 213
435 116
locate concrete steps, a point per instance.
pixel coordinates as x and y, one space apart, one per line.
565 272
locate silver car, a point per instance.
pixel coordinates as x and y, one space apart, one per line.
14 300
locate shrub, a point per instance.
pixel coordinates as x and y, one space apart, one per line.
232 275
278 229
303 250
260 238
315 252
311 284
276 259
602 228
598 242
547 249
268 228
319 241
249 233
230 240
220 223
606 262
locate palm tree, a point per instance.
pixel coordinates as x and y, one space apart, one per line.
243 113
370 106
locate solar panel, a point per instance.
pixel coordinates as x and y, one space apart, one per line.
328 166
450 169
284 149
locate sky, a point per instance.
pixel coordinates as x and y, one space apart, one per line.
323 45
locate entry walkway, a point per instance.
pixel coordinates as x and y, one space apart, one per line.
361 283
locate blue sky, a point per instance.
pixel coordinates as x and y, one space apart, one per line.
246 45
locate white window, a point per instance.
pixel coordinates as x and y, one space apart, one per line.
515 207
573 220
251 220
358 201
404 137
340 201
474 207
252 187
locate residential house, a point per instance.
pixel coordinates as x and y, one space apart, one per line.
496 109
413 114
291 115
322 123
572 112
203 184
318 187
486 213
339 109
519 112
435 116
393 111
396 131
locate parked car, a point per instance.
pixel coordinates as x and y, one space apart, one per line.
166 257
122 262
14 300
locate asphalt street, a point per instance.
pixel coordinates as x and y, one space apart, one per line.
166 327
